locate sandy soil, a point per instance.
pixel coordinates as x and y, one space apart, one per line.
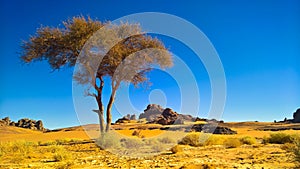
86 154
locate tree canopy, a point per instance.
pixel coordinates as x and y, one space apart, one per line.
122 52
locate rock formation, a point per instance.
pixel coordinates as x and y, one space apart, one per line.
156 114
127 119
124 119
296 116
212 128
24 123
151 112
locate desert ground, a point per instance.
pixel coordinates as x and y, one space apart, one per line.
73 148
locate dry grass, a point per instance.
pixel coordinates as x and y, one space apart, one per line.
280 138
248 140
53 150
23 151
232 143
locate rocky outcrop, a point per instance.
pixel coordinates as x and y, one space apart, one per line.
156 114
296 116
126 119
166 116
152 112
24 123
212 128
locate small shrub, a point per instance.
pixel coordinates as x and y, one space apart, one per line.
265 140
137 133
62 141
296 151
280 138
150 141
294 148
176 149
192 139
65 165
232 143
214 140
62 155
158 148
48 143
133 143
248 140
17 151
108 140
166 140
54 148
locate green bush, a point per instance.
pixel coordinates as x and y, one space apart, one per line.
232 143
248 140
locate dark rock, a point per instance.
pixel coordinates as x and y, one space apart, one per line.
133 117
296 116
24 123
39 125
124 119
212 128
6 120
169 114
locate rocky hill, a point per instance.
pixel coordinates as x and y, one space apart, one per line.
156 114
24 123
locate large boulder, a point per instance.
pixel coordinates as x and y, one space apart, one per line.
168 117
30 124
5 121
152 112
296 116
156 114
170 114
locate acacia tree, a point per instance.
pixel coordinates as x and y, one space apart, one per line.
99 54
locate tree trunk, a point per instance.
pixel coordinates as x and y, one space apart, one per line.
108 111
101 121
100 105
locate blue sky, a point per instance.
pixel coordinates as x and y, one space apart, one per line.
257 41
